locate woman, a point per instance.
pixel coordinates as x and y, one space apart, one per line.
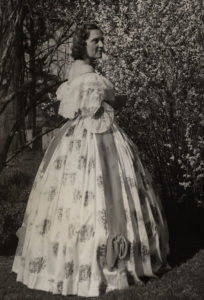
93 222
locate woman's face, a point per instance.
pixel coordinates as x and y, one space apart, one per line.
94 44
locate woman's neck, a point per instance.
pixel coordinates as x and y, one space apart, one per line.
85 62
92 62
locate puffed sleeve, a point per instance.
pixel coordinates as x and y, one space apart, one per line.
87 95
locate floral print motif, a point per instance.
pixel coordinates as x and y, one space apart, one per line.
70 131
84 133
77 144
101 254
102 218
59 213
60 287
86 200
52 193
144 250
89 196
36 265
44 227
55 248
84 272
69 269
77 196
81 162
86 233
131 182
99 181
91 164
51 281
59 162
138 248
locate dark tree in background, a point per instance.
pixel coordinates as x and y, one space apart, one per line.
26 28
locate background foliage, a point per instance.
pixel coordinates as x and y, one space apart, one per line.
154 49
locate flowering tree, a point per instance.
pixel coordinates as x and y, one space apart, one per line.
153 51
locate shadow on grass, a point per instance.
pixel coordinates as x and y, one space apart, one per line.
186 231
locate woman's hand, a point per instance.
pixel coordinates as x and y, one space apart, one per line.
99 113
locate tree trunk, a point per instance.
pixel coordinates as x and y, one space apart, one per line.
12 69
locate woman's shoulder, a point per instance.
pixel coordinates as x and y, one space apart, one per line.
91 80
82 73
83 77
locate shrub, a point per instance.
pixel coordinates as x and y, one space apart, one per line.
153 51
14 191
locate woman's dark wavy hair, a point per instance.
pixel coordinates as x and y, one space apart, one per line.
79 40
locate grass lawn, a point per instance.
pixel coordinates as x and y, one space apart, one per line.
182 282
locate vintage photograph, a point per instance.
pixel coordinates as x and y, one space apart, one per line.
101 149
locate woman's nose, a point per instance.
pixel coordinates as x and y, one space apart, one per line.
100 44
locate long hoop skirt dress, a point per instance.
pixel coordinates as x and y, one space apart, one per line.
93 222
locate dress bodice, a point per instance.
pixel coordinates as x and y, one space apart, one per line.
85 95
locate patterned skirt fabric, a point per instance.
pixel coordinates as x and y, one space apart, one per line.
93 222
